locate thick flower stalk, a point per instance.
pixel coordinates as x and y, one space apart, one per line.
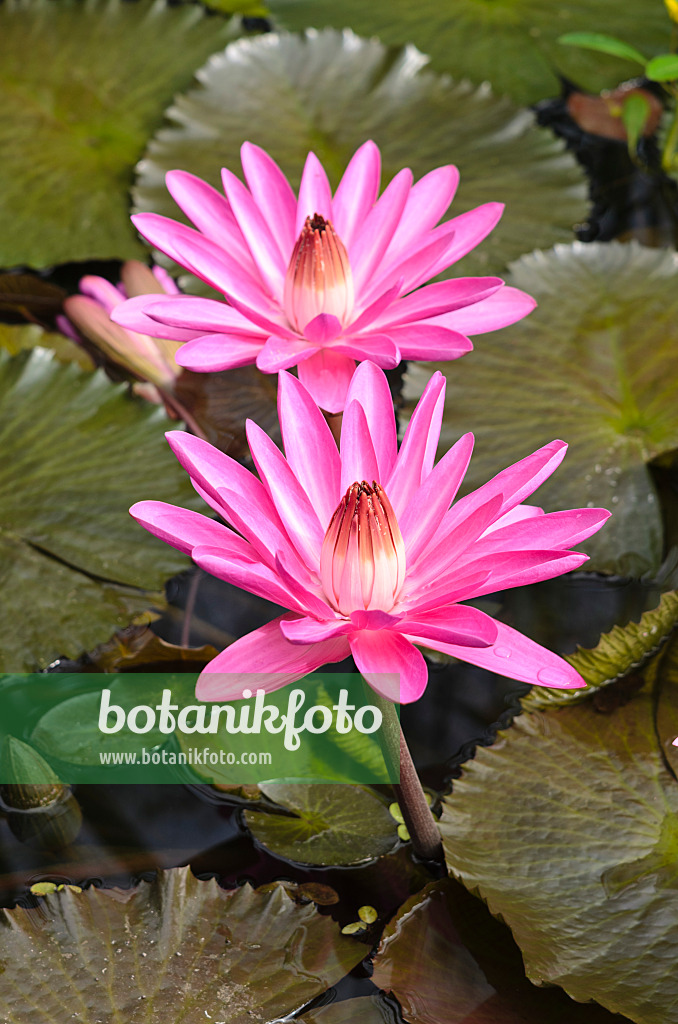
367 547
321 280
88 314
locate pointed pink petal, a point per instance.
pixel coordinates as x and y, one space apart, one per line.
425 510
428 200
454 624
210 212
166 282
102 291
505 307
469 229
370 389
137 351
322 329
185 530
442 297
390 664
264 530
377 231
554 530
218 352
273 195
425 341
358 459
412 269
281 353
310 448
291 501
204 315
310 631
375 308
516 515
308 594
516 657
357 191
254 577
379 348
520 568
256 232
419 437
264 660
131 315
315 195
326 376
271 322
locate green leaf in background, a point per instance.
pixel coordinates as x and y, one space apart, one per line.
331 91
77 452
177 949
367 1010
595 365
568 828
513 44
635 112
332 824
663 68
603 44
15 338
82 85
623 649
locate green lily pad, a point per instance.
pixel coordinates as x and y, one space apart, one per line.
176 949
332 824
595 365
367 1010
512 43
329 92
82 85
77 452
15 338
568 829
622 650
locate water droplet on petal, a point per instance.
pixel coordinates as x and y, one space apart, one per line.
502 652
552 677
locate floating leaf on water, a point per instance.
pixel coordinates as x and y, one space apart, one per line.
174 949
367 914
367 1010
29 296
595 364
332 824
328 92
138 647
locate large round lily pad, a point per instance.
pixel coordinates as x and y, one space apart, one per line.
82 86
510 43
329 92
176 950
595 365
77 452
568 827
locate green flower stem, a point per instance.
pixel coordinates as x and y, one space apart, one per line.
411 798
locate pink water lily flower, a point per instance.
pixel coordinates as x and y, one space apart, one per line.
321 280
365 548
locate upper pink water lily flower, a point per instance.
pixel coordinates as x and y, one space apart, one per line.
365 546
322 280
146 355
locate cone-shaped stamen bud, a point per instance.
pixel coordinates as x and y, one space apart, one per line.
319 278
362 563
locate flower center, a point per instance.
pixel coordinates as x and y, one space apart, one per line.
362 563
319 278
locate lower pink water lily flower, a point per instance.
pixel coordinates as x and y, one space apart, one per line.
321 280
147 356
366 548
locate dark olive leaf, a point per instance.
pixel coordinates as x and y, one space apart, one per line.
512 45
29 296
176 949
367 1010
82 85
332 824
15 338
77 452
331 91
137 647
568 829
594 365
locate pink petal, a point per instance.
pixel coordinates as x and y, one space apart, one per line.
185 530
375 308
469 229
554 530
166 282
379 348
136 350
270 322
425 341
322 329
281 353
138 279
211 214
310 448
218 352
358 459
412 269
308 594
102 291
520 568
516 657
204 315
273 195
516 515
291 501
439 298
377 231
505 307
327 376
370 389
256 232
315 195
357 191
264 660
311 631
131 315
425 510
454 624
428 200
407 473
255 577
390 664
262 527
